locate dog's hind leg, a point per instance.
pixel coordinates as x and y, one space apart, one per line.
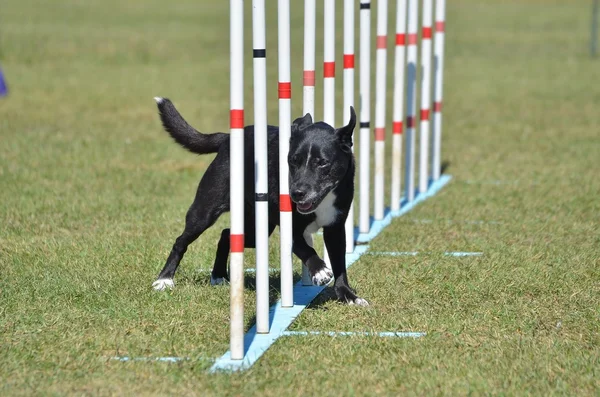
219 272
218 275
212 199
196 223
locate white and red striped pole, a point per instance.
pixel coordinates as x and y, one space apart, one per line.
440 15
424 129
329 74
261 167
308 98
380 105
285 124
398 106
411 98
236 122
364 222
349 98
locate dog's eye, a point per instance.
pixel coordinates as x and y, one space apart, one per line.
322 163
295 160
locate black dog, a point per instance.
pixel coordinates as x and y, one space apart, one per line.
321 181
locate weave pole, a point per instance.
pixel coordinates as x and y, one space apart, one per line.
349 98
328 75
364 221
236 265
424 130
308 95
261 166
285 125
380 105
398 104
438 82
411 98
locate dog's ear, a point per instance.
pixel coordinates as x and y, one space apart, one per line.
301 123
344 134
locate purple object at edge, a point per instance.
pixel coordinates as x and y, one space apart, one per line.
3 87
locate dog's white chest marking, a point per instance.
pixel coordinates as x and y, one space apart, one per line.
326 214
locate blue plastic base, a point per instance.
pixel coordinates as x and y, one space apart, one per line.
281 318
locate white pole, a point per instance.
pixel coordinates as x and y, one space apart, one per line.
424 129
329 74
411 98
349 97
285 122
308 98
398 113
236 267
440 11
380 105
261 167
365 114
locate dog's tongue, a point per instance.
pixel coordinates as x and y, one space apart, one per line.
304 207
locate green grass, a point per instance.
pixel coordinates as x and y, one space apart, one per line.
93 193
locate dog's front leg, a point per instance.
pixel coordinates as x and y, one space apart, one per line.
320 274
335 241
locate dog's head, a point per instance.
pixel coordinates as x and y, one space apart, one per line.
319 158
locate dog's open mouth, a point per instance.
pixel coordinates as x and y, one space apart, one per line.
305 208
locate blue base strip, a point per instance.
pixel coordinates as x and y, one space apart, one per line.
352 333
414 253
159 359
378 226
281 318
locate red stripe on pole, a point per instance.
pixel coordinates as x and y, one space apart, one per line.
397 127
381 42
236 118
348 61
400 39
425 114
440 26
379 134
236 242
309 78
427 32
437 107
285 90
328 69
285 203
410 122
412 39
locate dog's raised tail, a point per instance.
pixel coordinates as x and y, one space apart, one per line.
183 133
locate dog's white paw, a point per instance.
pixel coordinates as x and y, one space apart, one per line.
158 99
217 281
322 277
359 302
163 284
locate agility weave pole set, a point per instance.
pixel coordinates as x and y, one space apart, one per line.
271 323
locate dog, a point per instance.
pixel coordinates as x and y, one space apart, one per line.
321 180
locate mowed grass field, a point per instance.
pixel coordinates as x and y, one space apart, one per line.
93 194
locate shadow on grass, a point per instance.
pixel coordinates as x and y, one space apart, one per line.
320 300
444 167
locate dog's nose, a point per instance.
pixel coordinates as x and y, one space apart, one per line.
298 194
